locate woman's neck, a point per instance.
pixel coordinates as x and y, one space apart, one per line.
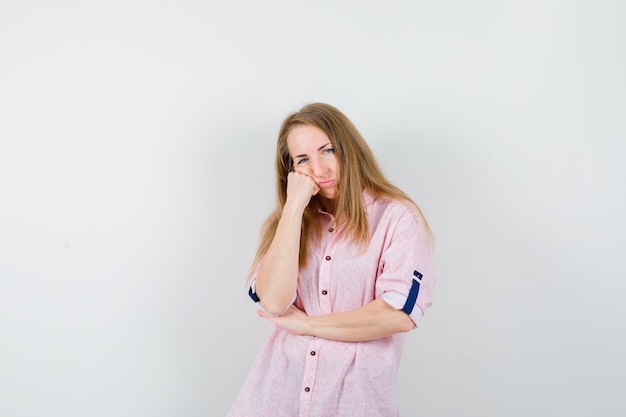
327 205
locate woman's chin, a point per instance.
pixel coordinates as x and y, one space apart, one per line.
328 194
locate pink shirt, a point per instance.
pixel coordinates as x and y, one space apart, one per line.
307 376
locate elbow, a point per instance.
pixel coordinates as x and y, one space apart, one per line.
274 302
404 323
407 325
397 321
273 307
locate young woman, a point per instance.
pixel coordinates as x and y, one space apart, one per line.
343 269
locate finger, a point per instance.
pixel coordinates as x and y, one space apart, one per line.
302 171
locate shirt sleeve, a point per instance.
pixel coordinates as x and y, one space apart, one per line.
406 274
252 292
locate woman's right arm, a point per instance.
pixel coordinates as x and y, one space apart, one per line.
277 278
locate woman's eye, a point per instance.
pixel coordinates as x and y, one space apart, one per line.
301 161
329 150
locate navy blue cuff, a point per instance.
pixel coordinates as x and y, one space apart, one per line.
253 295
412 298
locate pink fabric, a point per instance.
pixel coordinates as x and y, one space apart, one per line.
298 376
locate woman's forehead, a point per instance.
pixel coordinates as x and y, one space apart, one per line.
306 138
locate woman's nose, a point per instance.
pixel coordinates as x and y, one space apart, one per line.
318 167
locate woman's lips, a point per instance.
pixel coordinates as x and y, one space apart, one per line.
326 184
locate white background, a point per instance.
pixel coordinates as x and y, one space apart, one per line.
136 167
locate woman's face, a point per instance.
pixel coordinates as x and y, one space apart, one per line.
313 155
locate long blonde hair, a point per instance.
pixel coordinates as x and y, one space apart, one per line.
358 171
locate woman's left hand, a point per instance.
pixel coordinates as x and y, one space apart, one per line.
293 320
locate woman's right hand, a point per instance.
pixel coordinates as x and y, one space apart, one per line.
300 189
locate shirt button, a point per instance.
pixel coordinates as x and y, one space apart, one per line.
324 292
328 258
312 353
307 389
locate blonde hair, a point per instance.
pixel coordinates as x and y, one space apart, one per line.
358 169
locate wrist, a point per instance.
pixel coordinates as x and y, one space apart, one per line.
293 209
307 326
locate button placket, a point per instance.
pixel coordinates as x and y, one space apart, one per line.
324 284
310 372
328 252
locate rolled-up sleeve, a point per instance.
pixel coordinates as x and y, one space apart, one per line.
406 274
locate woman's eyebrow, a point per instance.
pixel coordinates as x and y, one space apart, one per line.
319 149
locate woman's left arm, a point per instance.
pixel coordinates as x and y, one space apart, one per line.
374 320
